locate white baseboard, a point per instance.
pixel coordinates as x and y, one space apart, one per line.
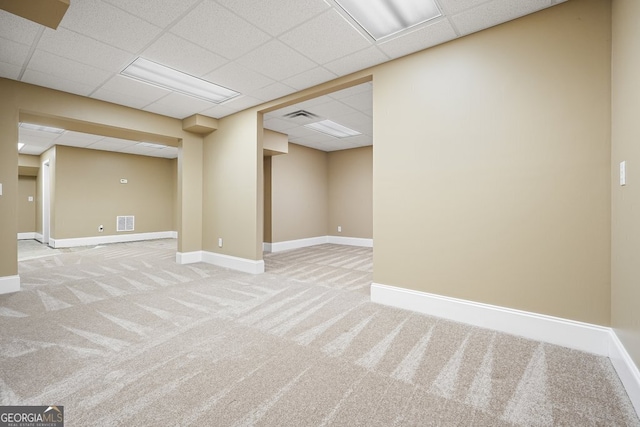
115 238
568 333
299 243
234 263
581 336
9 284
226 261
26 236
351 241
39 237
626 369
188 257
312 241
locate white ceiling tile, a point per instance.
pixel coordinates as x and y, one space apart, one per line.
9 71
178 106
109 24
326 38
120 98
351 91
332 110
277 124
360 101
218 111
276 16
112 144
34 151
180 54
422 38
167 152
140 91
242 102
310 78
157 12
238 78
451 7
49 63
218 30
273 91
80 136
358 121
494 13
18 29
54 82
12 52
39 138
276 60
83 49
357 61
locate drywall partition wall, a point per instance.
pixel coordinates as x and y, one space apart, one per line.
9 196
233 188
267 199
625 133
89 192
27 191
189 196
299 194
47 106
491 166
351 192
174 194
48 157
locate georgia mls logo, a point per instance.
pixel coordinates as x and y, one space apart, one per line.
31 416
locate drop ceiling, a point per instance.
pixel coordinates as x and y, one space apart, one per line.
263 49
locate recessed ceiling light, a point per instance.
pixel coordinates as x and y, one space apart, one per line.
333 129
168 78
20 145
383 18
41 128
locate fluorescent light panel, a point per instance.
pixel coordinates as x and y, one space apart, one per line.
333 129
41 128
383 18
168 78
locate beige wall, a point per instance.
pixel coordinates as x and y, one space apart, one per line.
89 193
267 199
233 188
625 137
26 208
491 166
350 199
299 192
9 181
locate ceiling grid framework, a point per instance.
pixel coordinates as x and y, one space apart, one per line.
264 50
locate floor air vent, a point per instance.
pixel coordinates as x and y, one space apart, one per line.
125 223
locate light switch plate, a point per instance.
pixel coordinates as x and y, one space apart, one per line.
623 173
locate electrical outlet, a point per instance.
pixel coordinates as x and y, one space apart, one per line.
219 242
339 229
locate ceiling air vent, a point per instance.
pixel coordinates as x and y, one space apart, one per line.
300 113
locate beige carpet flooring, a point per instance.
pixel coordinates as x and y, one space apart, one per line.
122 335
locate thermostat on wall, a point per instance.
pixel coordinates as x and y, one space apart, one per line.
123 181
